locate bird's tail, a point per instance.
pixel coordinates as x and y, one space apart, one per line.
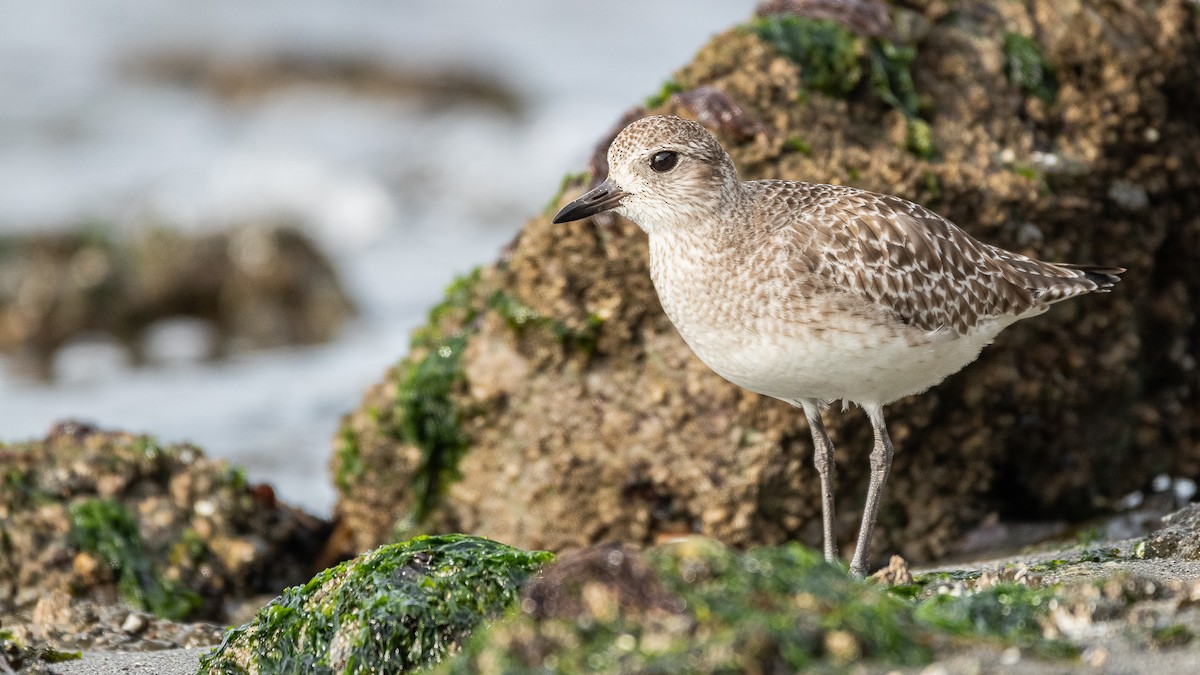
1052 282
1067 281
1104 277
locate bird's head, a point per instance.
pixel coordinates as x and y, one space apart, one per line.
663 172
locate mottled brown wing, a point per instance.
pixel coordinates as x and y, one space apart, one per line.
917 264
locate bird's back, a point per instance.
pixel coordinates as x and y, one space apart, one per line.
908 260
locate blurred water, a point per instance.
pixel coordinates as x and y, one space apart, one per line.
404 197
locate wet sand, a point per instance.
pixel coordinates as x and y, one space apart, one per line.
165 662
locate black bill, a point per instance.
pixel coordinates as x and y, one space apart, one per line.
603 197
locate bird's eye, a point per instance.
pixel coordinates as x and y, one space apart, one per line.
664 161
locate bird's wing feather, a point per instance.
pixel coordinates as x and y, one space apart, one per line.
913 262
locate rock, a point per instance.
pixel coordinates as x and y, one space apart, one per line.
238 555
52 609
395 609
868 17
710 609
619 433
1179 538
135 623
84 624
252 287
895 574
240 78
17 657
698 606
149 542
601 580
89 569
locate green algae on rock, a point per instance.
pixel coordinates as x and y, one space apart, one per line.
98 515
827 52
398 608
106 528
834 59
706 608
1010 612
421 414
521 316
16 656
653 101
430 420
414 429
1026 67
570 180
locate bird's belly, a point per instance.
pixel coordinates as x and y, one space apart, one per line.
775 337
831 363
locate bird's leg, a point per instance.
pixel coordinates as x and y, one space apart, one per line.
881 464
823 458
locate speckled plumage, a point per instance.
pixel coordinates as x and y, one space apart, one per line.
811 293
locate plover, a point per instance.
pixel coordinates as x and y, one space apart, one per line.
815 293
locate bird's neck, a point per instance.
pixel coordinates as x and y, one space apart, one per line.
687 248
697 221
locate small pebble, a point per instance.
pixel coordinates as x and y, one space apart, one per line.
1095 657
205 507
134 624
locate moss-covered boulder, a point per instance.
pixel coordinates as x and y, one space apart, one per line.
566 410
697 606
395 609
110 516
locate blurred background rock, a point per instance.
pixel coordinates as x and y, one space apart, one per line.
194 196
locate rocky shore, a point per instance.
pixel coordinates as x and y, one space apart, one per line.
469 605
625 509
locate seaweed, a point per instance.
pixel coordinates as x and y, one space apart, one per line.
798 144
459 306
669 88
831 57
429 418
424 413
348 460
1026 67
1009 612
397 608
826 51
107 529
18 657
568 181
520 317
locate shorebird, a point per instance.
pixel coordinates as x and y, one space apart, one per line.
815 293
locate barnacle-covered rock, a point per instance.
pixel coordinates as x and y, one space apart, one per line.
107 516
570 412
